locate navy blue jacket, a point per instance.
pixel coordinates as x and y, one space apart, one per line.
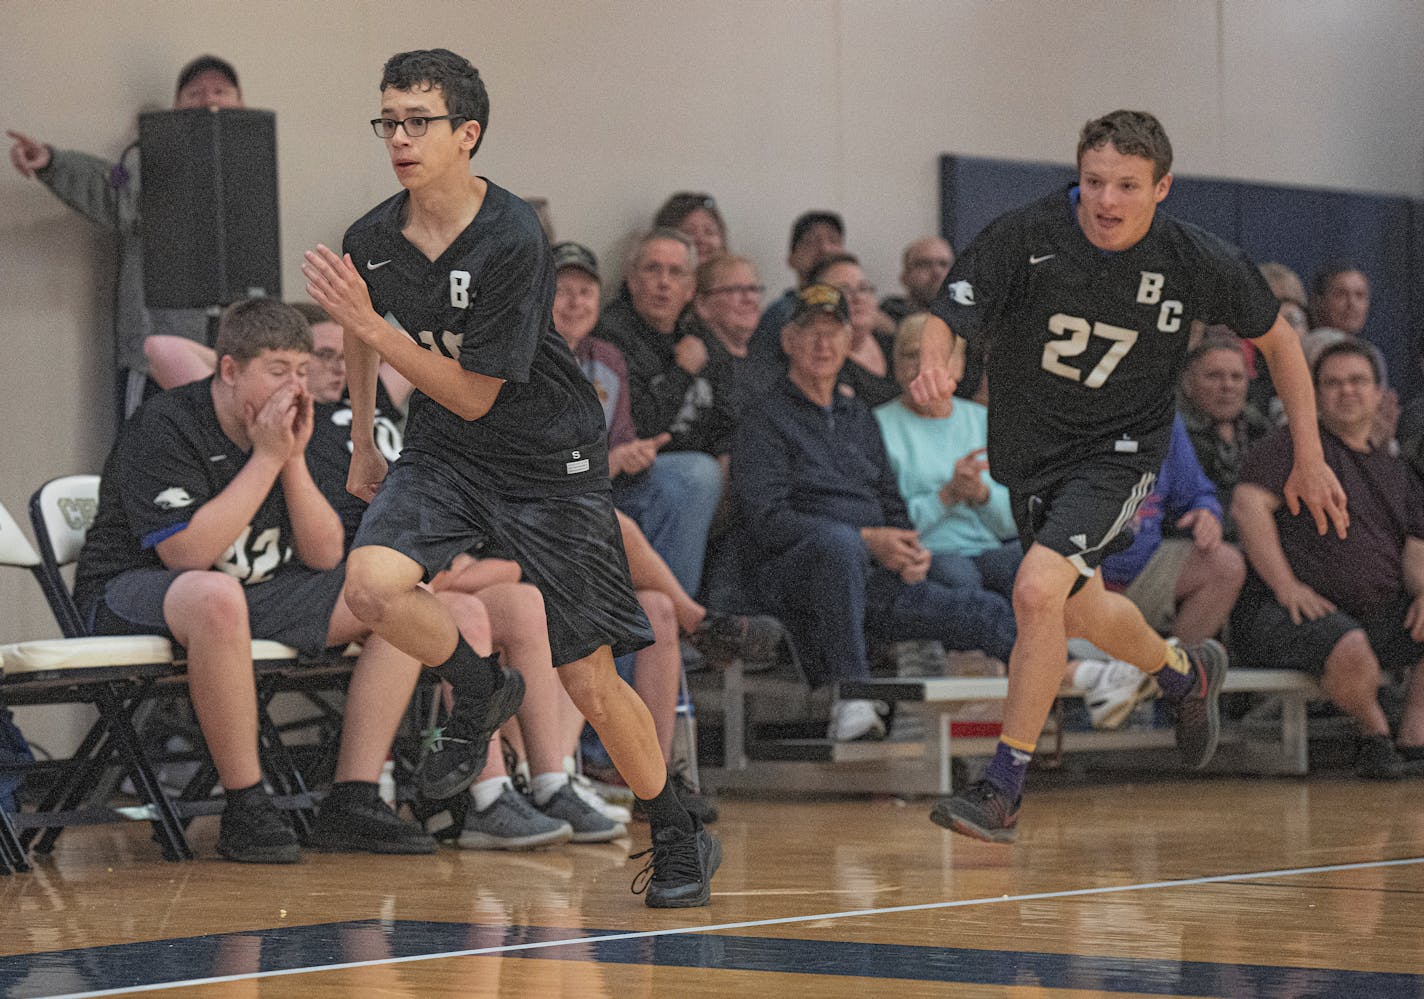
798 469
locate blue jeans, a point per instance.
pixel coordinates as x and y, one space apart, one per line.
673 502
831 596
993 570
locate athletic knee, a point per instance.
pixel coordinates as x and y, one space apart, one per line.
368 596
587 689
1037 596
207 603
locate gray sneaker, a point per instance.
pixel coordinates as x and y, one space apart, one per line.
511 823
588 823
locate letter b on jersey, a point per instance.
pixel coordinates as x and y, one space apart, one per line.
1149 292
460 289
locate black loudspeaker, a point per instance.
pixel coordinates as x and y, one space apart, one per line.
208 207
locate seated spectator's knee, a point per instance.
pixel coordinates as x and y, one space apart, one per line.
207 603
1351 667
1226 567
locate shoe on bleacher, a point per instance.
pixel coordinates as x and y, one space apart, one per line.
585 789
351 824
1112 689
753 638
1199 713
854 719
679 872
980 811
511 823
919 658
1377 759
455 753
589 825
253 830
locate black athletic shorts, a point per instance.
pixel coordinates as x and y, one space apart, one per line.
1263 634
1084 514
570 547
293 607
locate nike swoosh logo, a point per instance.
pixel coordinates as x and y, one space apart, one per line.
218 457
372 266
1038 260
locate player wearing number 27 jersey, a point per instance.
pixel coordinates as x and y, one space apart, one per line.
1083 301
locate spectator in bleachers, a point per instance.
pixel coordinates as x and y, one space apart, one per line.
107 194
814 235
1347 609
1178 570
695 215
205 499
1220 423
833 549
728 305
937 451
868 372
671 394
1340 298
923 267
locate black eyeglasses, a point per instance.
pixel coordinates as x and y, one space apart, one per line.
737 289
414 126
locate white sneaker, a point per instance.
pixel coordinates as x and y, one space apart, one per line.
583 787
855 719
1112 689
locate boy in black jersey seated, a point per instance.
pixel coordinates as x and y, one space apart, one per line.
504 443
211 530
1084 300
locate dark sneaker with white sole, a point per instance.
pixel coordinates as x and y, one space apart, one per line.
455 753
980 811
679 873
511 823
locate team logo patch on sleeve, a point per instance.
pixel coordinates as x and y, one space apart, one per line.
962 292
173 498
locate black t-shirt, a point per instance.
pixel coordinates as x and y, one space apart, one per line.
172 457
1364 572
1086 347
487 302
329 452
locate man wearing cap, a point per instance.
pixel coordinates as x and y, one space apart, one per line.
107 194
831 546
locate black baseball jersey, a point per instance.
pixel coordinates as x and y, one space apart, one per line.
487 301
172 457
329 453
1086 347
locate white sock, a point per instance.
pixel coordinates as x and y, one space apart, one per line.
521 769
570 766
545 786
486 792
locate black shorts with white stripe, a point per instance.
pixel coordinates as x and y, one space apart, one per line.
1085 514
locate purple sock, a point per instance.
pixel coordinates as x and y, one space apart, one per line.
1176 686
1006 771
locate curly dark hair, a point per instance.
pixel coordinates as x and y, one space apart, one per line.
458 80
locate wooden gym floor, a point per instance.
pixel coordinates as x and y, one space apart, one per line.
1220 887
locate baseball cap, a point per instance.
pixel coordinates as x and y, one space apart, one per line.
817 298
576 255
807 221
204 64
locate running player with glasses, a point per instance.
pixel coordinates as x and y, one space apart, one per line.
504 444
1084 301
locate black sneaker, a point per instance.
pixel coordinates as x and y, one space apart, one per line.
356 825
679 873
255 831
700 806
455 753
1199 713
751 638
1377 759
979 810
